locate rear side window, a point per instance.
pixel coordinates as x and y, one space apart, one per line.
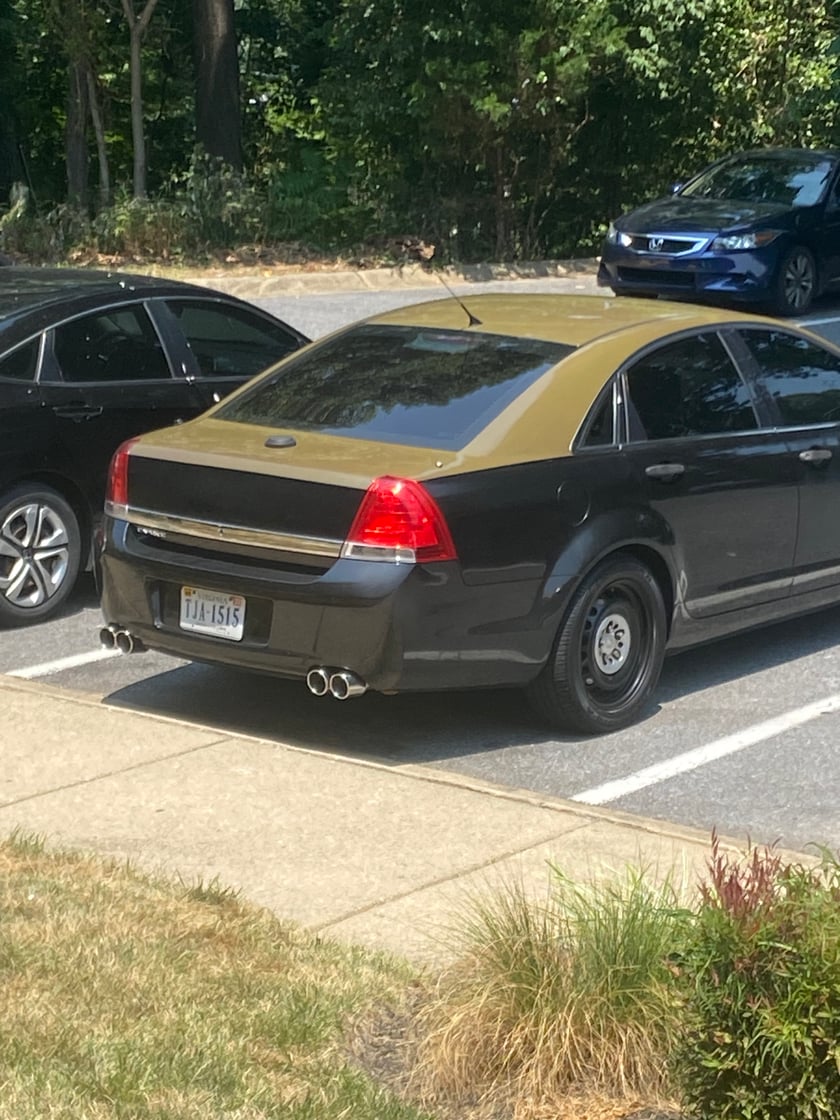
419 386
802 378
21 364
687 388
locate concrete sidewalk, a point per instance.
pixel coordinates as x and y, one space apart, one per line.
379 855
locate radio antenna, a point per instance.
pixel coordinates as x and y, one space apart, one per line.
473 320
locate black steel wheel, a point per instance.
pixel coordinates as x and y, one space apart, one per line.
608 654
796 282
40 553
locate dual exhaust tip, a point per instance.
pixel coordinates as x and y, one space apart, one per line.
341 684
114 637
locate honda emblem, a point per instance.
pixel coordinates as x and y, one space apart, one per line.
655 244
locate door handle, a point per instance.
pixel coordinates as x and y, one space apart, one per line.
815 455
665 472
77 412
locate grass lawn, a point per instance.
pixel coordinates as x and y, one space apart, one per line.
126 996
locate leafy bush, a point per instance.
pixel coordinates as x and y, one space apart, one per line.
51 236
219 206
310 198
142 229
762 987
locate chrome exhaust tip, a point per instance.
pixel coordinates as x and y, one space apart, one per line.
127 643
344 685
318 681
108 637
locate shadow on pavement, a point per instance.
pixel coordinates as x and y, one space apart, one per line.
428 727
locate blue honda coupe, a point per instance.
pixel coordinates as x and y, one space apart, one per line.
760 227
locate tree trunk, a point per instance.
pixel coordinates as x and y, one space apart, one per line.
218 122
101 149
137 26
75 135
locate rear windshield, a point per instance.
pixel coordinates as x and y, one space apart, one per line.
424 387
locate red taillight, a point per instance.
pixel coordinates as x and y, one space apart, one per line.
116 494
399 520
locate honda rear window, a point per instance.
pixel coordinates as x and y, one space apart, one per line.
420 386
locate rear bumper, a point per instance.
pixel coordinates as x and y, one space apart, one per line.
397 627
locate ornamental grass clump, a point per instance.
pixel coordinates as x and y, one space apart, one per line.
574 995
761 978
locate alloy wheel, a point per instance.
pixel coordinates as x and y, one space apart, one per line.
35 554
798 281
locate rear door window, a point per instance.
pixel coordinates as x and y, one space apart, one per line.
424 387
687 388
120 344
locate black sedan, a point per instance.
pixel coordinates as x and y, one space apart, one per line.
546 493
88 359
760 227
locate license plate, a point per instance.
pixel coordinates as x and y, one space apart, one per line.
212 612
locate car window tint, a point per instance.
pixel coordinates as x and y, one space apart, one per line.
801 377
599 430
21 364
687 388
116 345
230 341
420 386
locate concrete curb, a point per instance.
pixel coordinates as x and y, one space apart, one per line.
266 283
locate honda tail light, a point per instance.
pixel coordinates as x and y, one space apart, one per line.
116 494
398 520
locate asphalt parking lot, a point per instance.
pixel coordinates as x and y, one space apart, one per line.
743 737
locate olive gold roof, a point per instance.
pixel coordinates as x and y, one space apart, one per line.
541 423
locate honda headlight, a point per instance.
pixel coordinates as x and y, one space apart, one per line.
615 237
754 240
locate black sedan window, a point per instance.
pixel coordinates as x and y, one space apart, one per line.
687 388
789 180
230 340
802 378
21 364
425 387
116 345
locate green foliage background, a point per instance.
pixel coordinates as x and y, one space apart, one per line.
491 130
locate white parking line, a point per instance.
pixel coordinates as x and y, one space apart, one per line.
691 760
47 667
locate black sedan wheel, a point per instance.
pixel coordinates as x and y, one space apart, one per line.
796 282
609 651
40 553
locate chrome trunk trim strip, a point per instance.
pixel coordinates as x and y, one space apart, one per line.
164 524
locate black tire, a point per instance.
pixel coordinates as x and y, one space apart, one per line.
40 553
608 653
796 282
